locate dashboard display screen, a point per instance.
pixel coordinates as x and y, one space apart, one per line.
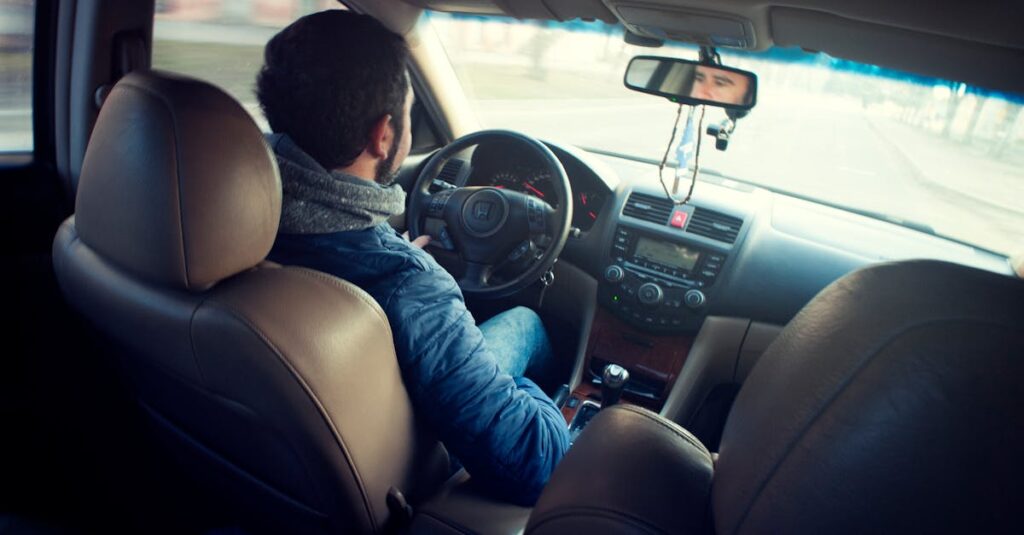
666 254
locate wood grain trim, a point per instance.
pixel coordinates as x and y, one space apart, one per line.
648 357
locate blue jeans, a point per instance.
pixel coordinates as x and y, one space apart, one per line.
518 341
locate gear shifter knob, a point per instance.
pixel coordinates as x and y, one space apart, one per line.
612 381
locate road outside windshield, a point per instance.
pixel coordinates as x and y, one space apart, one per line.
925 152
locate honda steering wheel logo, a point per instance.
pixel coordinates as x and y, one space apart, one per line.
482 210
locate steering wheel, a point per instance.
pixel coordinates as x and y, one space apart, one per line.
494 228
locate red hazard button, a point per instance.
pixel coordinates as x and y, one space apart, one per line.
678 219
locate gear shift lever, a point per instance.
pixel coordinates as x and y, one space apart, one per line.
612 381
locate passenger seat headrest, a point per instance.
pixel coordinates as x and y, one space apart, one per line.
178 184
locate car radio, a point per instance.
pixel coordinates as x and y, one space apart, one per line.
653 281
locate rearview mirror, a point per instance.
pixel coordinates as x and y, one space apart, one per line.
691 82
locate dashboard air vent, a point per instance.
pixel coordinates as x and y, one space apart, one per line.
448 175
648 207
714 225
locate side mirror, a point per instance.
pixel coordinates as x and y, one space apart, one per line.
692 82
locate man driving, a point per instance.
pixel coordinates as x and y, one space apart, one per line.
720 85
336 93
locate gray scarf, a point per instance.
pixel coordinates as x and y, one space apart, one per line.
317 201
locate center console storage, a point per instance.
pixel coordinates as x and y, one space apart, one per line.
653 362
675 375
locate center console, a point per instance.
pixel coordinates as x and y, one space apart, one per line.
657 283
658 279
659 274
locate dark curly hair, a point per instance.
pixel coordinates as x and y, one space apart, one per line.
328 77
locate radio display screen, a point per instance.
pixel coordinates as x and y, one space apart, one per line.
666 254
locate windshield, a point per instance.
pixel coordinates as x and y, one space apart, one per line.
935 155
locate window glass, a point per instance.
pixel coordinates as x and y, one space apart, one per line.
221 41
17 24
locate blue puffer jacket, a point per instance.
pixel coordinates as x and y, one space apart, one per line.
505 430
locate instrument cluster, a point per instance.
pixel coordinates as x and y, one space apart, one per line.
538 183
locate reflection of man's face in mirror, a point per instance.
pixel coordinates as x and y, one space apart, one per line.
719 85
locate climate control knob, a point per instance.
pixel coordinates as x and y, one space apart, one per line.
694 298
650 294
614 273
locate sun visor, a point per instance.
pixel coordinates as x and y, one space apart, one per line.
701 27
989 66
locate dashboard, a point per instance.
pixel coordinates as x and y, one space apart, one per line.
734 250
784 250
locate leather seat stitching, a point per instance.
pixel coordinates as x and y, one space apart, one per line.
348 288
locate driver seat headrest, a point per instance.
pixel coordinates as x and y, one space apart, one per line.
178 185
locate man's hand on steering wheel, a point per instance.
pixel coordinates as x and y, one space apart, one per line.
421 241
491 228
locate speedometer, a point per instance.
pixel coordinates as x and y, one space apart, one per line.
528 181
538 184
507 180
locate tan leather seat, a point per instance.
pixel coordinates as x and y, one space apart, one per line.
278 387
890 404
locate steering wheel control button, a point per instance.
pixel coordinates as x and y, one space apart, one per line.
650 294
484 213
535 215
694 299
519 252
614 274
678 219
446 239
437 203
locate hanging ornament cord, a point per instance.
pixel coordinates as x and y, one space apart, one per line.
696 158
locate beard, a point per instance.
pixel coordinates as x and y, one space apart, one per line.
385 173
